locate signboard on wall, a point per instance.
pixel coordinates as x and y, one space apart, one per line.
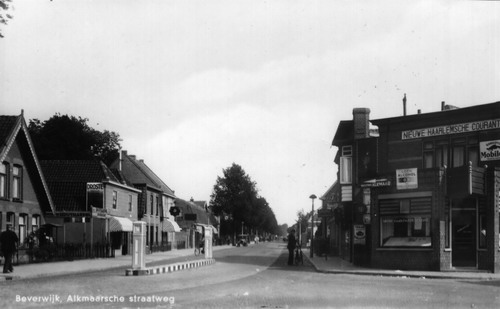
489 150
452 129
359 234
95 195
407 178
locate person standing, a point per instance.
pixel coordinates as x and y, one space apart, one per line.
292 242
8 240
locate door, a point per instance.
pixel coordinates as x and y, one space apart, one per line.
464 237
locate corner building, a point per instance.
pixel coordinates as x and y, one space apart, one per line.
425 188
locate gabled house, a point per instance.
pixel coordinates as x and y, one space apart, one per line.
155 200
24 196
193 218
91 205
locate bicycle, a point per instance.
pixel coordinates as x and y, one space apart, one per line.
198 251
299 258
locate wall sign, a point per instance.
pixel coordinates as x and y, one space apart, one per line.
452 129
359 234
489 150
407 179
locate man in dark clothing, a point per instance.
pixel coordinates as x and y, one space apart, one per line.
8 240
291 246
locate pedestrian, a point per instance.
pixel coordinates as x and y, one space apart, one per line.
291 246
8 240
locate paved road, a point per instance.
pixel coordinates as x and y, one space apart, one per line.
248 277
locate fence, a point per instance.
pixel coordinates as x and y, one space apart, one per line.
56 252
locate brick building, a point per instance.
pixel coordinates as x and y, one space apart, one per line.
421 191
25 199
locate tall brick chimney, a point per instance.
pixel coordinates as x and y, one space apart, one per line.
361 117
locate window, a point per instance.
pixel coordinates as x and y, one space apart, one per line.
23 219
482 231
441 154
130 203
151 204
35 223
458 156
4 168
17 182
157 205
405 222
115 199
10 220
346 165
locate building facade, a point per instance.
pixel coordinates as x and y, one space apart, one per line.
24 196
423 192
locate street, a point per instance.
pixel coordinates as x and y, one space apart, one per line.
247 277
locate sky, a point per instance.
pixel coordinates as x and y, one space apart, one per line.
195 86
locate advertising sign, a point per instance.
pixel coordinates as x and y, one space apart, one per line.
489 150
407 178
359 235
95 195
452 129
99 212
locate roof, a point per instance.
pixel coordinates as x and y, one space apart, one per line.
345 132
10 129
472 113
187 207
136 172
67 180
334 189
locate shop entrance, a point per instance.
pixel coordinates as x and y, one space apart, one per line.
464 237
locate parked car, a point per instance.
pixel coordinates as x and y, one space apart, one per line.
242 240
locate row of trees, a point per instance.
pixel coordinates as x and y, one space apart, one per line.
236 200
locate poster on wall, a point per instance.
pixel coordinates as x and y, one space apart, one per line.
359 235
407 178
489 150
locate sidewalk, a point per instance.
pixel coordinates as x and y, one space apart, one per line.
336 265
35 270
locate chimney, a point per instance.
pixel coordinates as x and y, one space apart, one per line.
120 160
361 122
419 111
404 105
442 105
132 157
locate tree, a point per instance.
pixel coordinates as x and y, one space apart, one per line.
4 13
235 197
64 137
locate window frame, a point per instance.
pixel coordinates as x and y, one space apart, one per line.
115 199
4 180
17 183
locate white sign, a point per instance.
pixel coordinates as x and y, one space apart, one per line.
490 150
452 129
359 234
407 178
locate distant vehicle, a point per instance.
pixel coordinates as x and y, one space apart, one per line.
242 240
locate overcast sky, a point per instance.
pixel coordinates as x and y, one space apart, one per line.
193 86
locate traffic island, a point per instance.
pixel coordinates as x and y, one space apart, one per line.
163 269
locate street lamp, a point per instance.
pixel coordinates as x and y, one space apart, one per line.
312 197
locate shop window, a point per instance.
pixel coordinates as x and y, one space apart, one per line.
17 182
23 219
405 223
130 203
115 199
35 223
4 168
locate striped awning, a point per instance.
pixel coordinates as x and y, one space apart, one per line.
119 224
170 226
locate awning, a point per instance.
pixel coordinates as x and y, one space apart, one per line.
119 224
170 226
